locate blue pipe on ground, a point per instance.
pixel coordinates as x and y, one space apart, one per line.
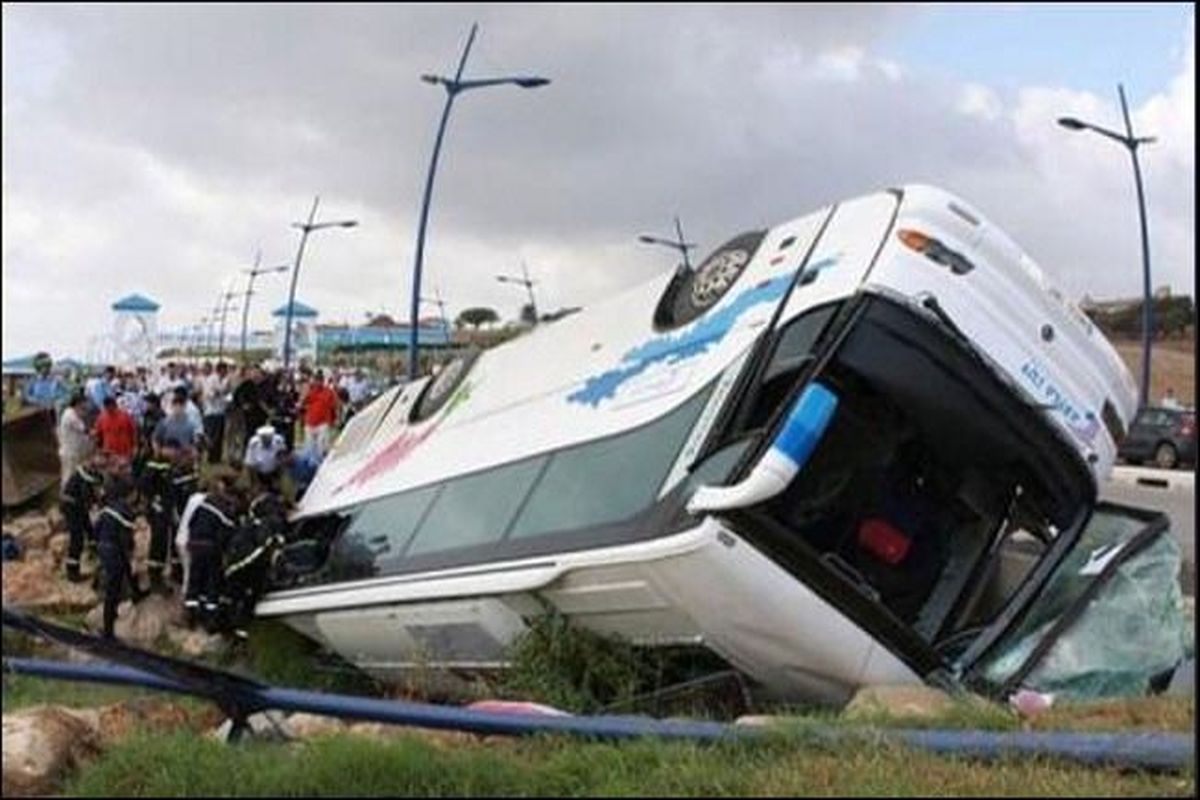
1160 751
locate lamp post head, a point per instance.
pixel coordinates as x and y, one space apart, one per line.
1071 123
434 79
531 83
350 223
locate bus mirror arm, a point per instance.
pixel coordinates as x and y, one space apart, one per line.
791 448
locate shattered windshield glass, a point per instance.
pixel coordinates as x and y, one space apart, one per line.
1130 632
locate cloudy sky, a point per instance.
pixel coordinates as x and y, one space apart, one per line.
155 149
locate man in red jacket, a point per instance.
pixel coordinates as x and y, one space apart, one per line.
115 431
320 414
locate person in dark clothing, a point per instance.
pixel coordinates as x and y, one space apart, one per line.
209 532
283 403
249 400
114 531
151 416
249 556
158 493
76 502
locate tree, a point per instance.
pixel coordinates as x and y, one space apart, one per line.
477 316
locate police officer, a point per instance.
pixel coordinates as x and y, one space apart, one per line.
76 501
157 490
212 526
114 532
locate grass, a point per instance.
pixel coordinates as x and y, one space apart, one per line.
585 672
184 764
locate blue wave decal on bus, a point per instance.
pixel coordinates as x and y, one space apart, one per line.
675 347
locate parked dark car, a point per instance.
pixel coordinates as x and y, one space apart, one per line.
1164 436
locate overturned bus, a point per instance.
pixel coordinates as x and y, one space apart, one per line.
859 447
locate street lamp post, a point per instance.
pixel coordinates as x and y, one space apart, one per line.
527 283
453 87
1131 143
254 272
441 306
225 309
305 228
675 244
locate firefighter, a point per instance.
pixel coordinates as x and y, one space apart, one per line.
114 532
212 525
77 498
184 483
249 555
157 490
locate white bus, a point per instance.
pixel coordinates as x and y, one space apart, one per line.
811 455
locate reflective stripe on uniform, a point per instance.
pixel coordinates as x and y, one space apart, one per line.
217 511
232 568
117 516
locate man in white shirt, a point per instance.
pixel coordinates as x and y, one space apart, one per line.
358 389
265 454
74 442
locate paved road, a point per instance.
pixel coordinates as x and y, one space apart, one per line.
1170 491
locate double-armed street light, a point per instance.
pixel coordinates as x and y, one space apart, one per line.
675 244
1131 143
306 228
253 273
436 300
527 283
453 86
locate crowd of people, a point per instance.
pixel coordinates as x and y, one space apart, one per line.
203 452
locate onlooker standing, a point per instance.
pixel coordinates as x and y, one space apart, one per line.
215 391
45 390
320 415
74 443
116 432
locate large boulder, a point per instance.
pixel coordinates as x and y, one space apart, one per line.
197 643
36 583
41 745
33 531
143 624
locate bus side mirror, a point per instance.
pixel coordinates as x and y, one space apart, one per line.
806 423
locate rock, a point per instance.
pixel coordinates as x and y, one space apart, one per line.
117 721
196 643
760 720
55 518
57 546
36 583
40 745
269 725
143 624
903 700
33 531
308 726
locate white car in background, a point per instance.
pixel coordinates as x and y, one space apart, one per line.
811 456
